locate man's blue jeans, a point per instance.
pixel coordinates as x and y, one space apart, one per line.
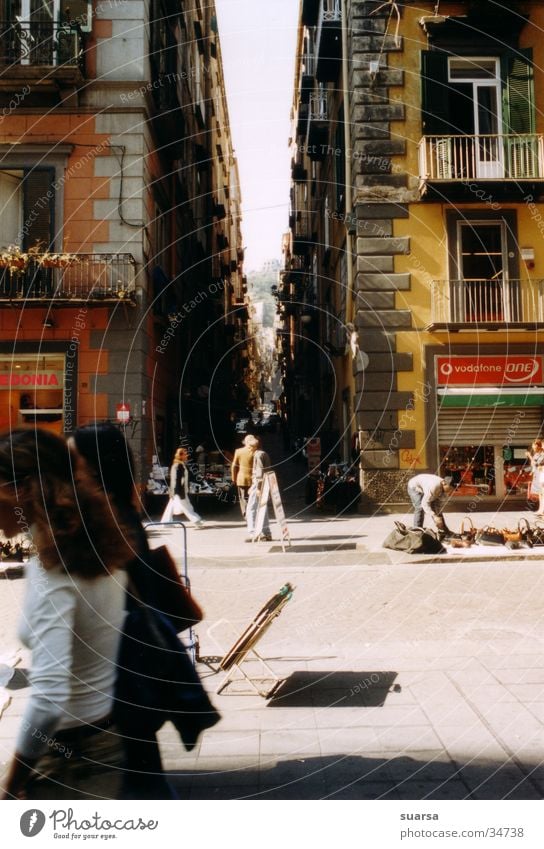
252 510
416 498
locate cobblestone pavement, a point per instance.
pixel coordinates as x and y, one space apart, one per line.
401 677
398 676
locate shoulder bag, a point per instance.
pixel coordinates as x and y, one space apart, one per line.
413 540
170 595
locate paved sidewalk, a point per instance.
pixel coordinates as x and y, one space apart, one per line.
402 677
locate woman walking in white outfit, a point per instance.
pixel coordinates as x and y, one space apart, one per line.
68 746
179 503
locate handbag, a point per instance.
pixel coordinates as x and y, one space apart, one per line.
170 595
468 530
537 535
490 536
156 681
413 540
466 536
521 534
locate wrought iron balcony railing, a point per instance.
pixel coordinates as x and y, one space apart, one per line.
40 43
485 157
90 278
328 40
494 302
318 107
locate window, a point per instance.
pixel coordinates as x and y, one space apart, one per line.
454 99
27 207
484 270
44 32
482 110
32 390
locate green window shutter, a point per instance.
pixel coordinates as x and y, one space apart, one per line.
38 208
517 74
435 94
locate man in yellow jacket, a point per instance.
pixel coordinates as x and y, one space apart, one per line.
242 469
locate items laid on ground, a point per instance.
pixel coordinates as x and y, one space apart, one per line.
14 553
425 541
413 540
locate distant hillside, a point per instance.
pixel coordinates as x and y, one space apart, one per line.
261 282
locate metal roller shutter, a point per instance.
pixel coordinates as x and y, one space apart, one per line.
475 426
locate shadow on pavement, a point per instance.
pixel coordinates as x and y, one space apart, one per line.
333 689
309 548
370 777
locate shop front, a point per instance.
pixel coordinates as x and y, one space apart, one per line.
489 410
32 390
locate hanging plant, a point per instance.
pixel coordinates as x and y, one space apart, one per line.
15 259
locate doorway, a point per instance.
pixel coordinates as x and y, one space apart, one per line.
476 83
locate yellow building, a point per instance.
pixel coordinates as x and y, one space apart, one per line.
429 197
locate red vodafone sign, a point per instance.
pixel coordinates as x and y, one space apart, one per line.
522 370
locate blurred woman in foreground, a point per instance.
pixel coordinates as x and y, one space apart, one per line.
68 746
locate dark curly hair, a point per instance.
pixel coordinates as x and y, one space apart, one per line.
70 520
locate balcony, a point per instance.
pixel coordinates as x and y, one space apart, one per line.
301 233
90 278
43 55
329 41
307 77
469 159
302 120
298 171
487 304
318 125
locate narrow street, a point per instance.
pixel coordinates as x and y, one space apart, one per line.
401 677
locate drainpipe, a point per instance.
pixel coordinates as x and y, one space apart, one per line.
350 295
347 162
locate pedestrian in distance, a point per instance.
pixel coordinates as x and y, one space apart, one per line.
242 469
536 458
68 745
428 494
179 503
261 464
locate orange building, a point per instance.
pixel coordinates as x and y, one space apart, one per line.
120 250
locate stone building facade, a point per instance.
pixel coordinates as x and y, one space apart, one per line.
421 215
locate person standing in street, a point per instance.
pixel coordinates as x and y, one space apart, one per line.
242 469
428 494
179 503
68 745
261 464
536 458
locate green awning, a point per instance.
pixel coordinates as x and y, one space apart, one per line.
497 399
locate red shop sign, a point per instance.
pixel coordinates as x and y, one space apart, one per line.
522 370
